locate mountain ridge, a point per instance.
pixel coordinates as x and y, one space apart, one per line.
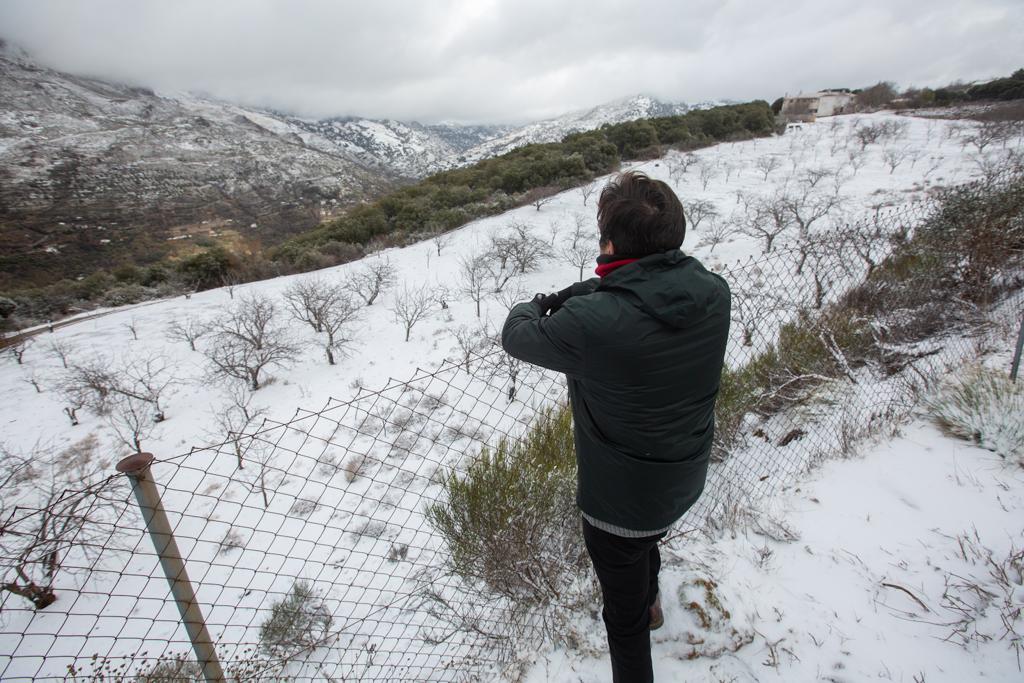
95 173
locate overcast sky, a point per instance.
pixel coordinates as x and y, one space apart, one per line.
513 60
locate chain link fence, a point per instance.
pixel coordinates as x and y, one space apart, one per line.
307 543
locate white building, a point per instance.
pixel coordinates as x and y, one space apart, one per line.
811 106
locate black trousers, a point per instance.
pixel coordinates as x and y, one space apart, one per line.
627 569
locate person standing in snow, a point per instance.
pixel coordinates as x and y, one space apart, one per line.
642 346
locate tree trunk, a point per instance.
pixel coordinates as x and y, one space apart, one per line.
41 598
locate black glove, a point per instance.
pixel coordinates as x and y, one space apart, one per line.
549 303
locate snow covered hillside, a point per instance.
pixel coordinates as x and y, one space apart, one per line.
834 173
734 175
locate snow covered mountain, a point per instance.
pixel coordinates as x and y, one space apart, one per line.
553 130
89 167
93 173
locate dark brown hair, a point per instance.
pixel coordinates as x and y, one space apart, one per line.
640 215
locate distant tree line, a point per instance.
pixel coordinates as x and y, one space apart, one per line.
885 94
432 207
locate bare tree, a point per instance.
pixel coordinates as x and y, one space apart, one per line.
554 229
679 164
411 306
856 159
870 251
512 252
441 241
74 401
983 135
728 168
131 419
502 364
474 271
471 342
338 314
33 379
766 219
190 330
133 327
63 350
327 307
305 299
374 277
19 347
260 451
812 176
767 164
579 229
717 231
248 339
914 154
706 172
587 191
540 197
238 417
511 296
893 157
229 282
824 257
806 208
934 163
34 547
753 305
579 254
526 251
867 134
99 382
698 210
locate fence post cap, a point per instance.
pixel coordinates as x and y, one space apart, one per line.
135 464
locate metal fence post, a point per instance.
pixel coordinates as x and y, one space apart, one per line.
137 468
1016 354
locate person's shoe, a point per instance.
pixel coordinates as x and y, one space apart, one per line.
657 616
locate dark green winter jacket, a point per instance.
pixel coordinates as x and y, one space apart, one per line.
642 349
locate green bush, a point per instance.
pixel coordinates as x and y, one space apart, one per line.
737 396
207 268
299 621
510 520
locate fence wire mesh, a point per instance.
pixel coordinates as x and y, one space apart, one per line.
307 540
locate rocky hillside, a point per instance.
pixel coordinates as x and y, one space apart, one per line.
93 173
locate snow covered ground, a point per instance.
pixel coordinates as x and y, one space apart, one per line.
823 593
850 575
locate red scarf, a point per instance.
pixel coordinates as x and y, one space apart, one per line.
605 268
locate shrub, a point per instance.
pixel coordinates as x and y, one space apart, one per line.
207 268
737 396
299 621
174 668
122 295
985 407
510 521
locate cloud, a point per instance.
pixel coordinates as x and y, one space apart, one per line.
512 60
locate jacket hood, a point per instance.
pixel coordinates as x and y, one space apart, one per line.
669 286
